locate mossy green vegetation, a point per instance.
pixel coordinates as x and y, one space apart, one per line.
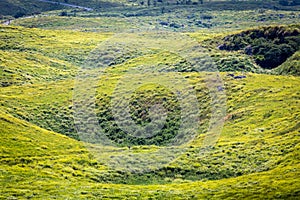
258 146
192 19
43 155
291 66
31 55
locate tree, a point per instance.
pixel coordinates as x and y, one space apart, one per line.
19 14
64 13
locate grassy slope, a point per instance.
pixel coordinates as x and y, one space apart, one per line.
34 160
291 66
25 7
31 55
263 152
18 8
256 156
202 18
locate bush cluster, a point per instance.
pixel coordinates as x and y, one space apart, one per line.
269 46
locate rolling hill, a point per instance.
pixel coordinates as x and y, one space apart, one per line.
89 110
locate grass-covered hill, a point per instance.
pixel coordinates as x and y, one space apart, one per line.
291 66
256 155
202 19
18 8
67 81
40 164
11 9
31 55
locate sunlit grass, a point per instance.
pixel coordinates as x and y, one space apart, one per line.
256 155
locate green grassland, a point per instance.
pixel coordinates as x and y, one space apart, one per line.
191 19
28 56
258 146
44 155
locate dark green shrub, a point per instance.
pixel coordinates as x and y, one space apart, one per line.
19 14
269 46
63 13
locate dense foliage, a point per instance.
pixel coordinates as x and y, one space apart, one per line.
270 46
17 8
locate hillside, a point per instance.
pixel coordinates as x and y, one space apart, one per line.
16 8
291 66
257 146
36 163
196 101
